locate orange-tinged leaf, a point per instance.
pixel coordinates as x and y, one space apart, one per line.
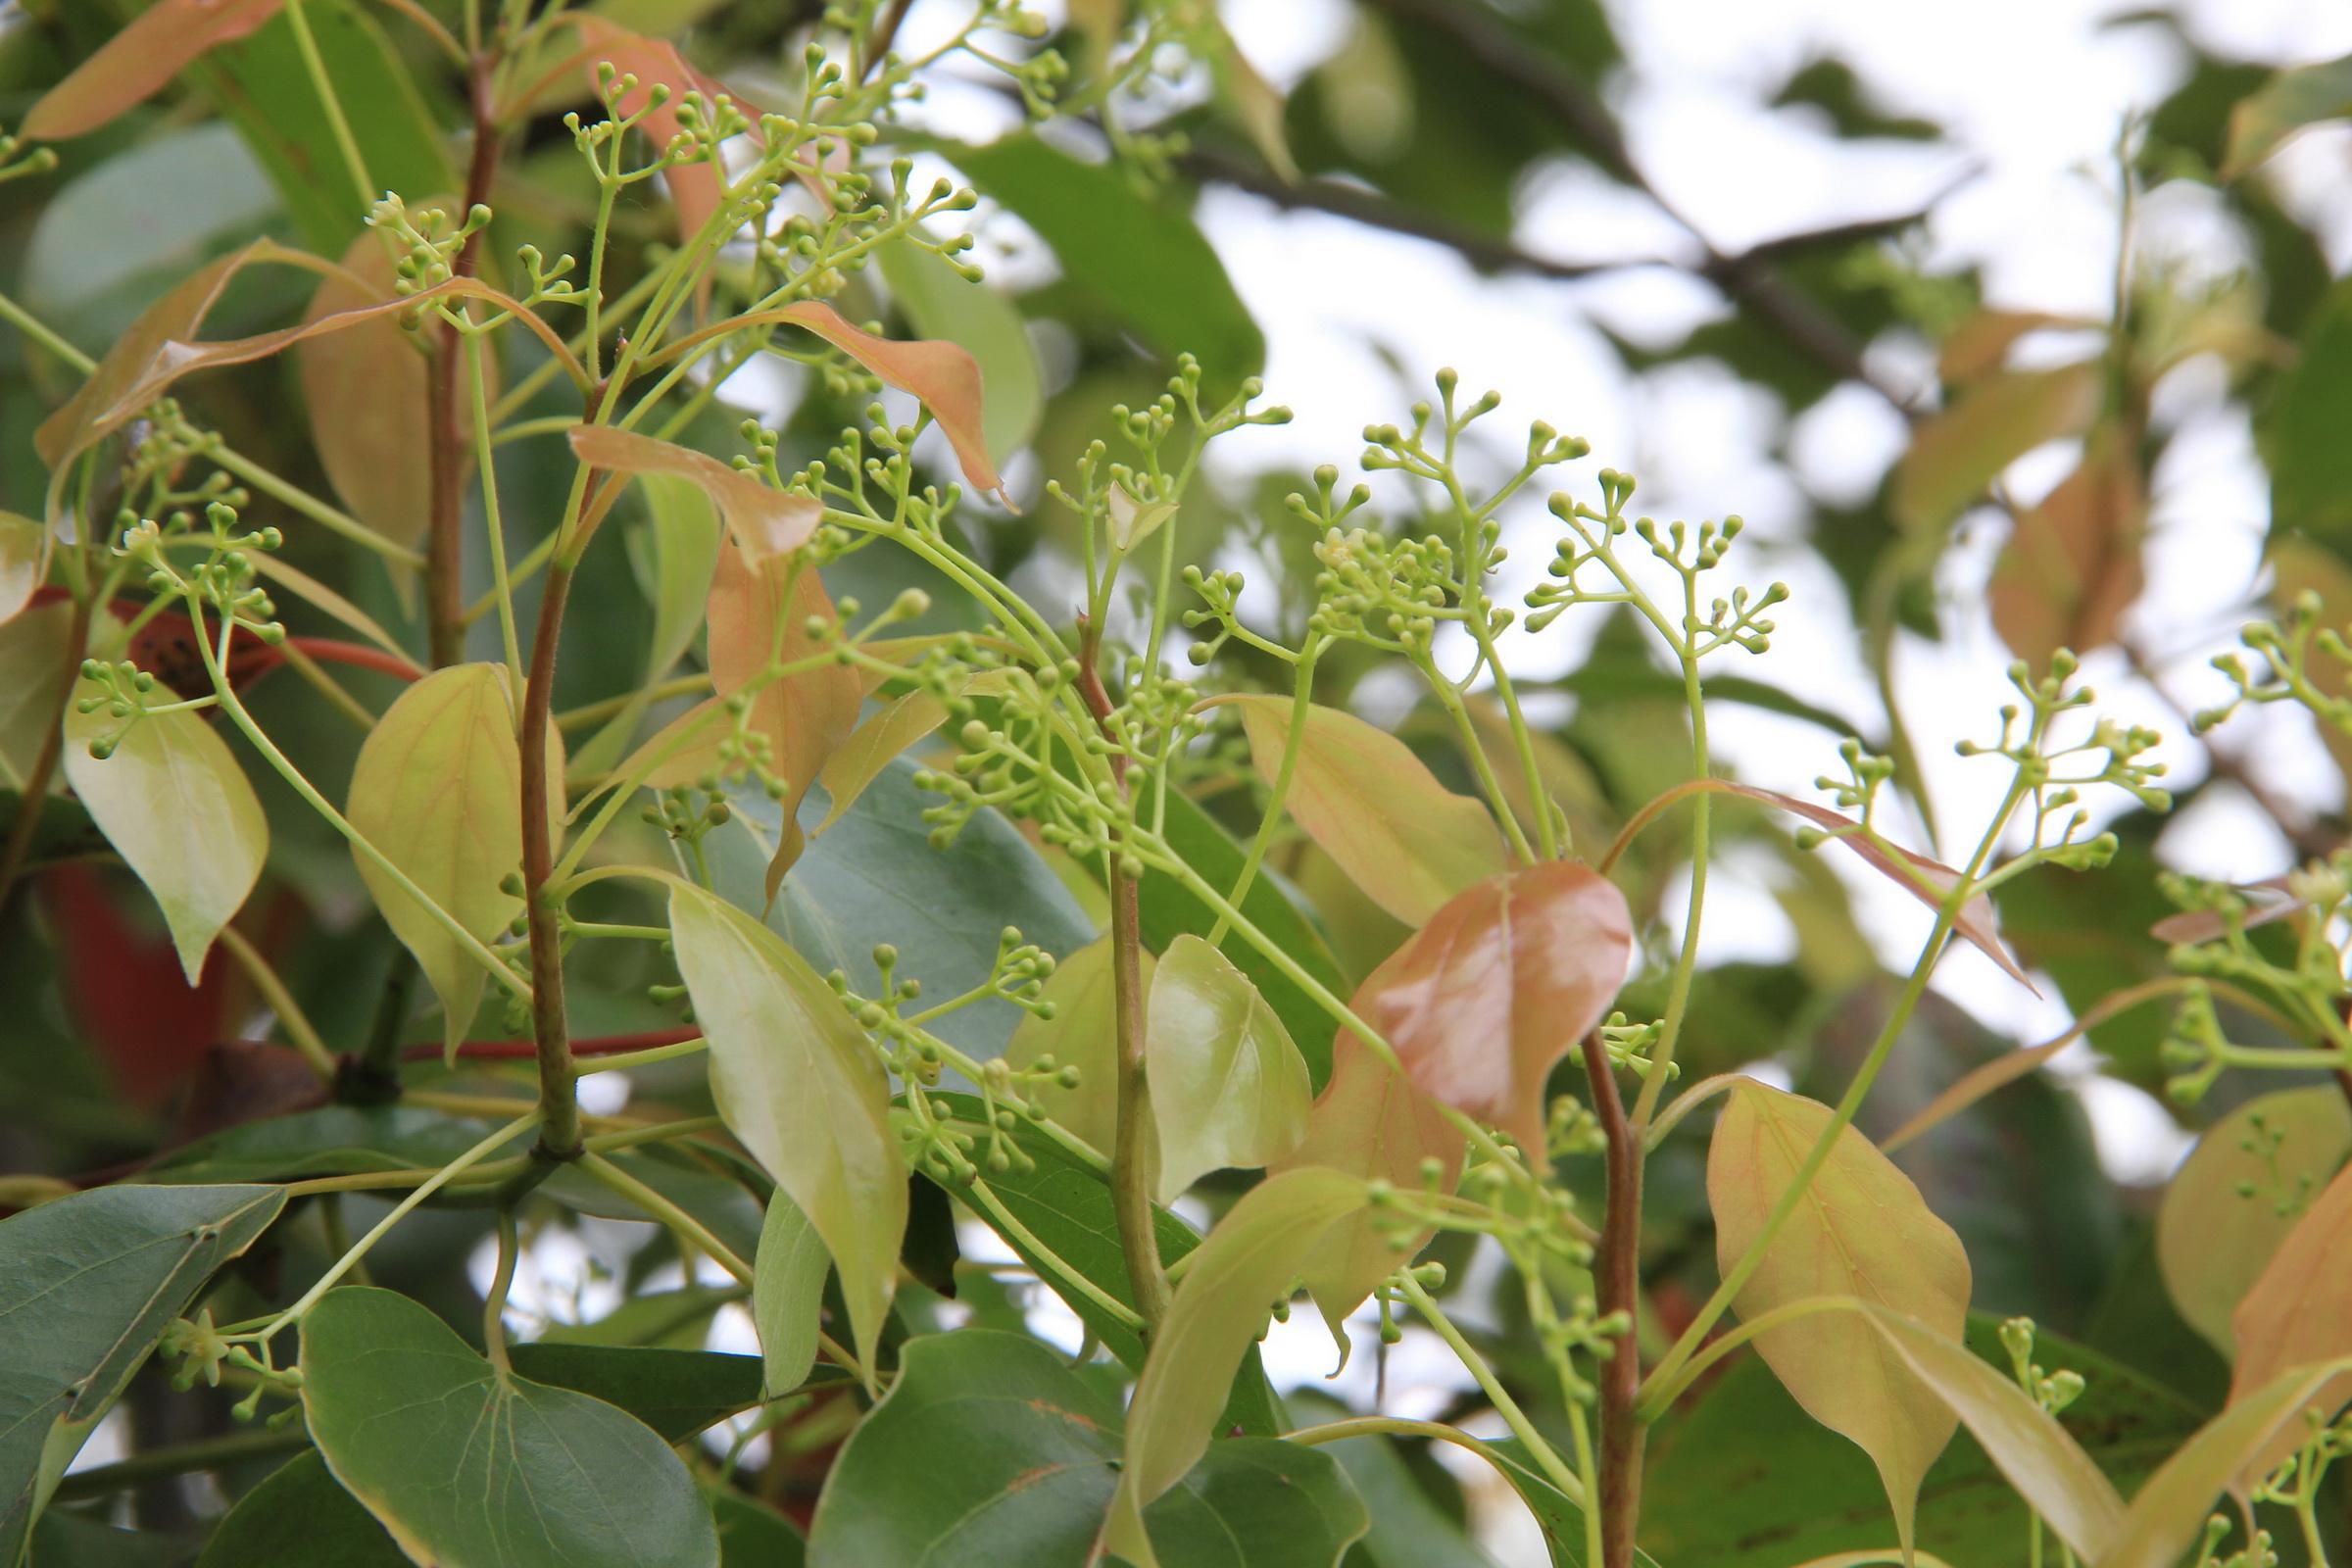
1230 1285
178 809
2072 565
1229 1087
763 521
365 391
1406 838
438 790
1908 871
1498 986
1860 1231
2299 1311
761 609
1371 1122
1959 452
134 64
1982 341
2214 1239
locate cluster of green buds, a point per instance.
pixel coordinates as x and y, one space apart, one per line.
2257 1553
17 160
203 1351
224 580
2281 671
2303 974
122 691
600 140
2194 1048
1866 774
162 443
2052 1391
1006 762
2054 771
2263 1140
428 240
878 459
1385 593
2296 1482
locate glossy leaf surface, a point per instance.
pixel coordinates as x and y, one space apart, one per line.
301 1513
1228 1087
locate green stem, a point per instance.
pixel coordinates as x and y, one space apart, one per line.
1538 1448
484 460
1302 700
494 1300
208 1453
348 144
1044 1257
1686 964
667 1212
341 523
290 1016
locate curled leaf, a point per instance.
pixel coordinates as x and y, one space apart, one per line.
1229 1090
1360 793
1498 986
1923 879
761 520
133 65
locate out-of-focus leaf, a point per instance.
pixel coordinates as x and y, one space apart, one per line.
2090 935
2299 1313
1409 1528
201 856
1747 1479
1958 453
989 1449
438 790
2072 565
2287 103
23 556
1369 1121
1228 1087
1082 1033
136 62
1248 1261
754 1536
799 1083
87 1284
1980 343
761 521
398 1404
34 682
1832 86
2301 431
788 1290
2243 1191
1861 1230
1362 795
302 1514
1141 260
1498 986
366 391
940 301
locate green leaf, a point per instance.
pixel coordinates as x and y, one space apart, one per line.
1140 259
469 1467
751 1536
897 726
1228 1087
799 1084
788 1294
1065 1205
201 857
1249 1261
2214 1236
1860 1231
1081 1034
438 791
88 1286
32 684
329 1141
1170 910
299 1514
264 89
676 1392
1408 1528
989 1449
940 301
874 878
2283 105
2300 430
673 558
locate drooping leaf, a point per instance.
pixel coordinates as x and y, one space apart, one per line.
2299 1311
2304 95
1360 793
1957 453
761 521
1369 1121
988 1450
1082 1034
438 790
1498 986
87 1284
1249 1262
1228 1087
800 1085
1860 1231
941 303
2072 565
866 750
400 1407
365 392
200 857
2244 1190
301 1513
135 63
788 1291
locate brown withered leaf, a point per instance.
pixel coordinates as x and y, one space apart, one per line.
758 609
2072 565
134 64
1499 985
1371 1122
1975 921
763 521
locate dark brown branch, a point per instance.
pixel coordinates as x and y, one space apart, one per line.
1618 1273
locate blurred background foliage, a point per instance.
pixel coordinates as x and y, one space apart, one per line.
1432 122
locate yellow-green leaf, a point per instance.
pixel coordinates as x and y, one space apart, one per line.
178 809
800 1086
1249 1262
1229 1087
1132 521
788 1294
34 681
1081 1034
438 790
1406 838
23 559
365 392
2214 1236
2286 104
1861 1230
869 746
2299 1313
